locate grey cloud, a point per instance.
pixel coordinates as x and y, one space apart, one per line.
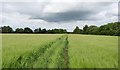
66 16
80 12
85 11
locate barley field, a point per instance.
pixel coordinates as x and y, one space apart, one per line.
59 51
91 51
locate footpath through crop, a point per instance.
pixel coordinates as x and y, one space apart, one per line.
51 55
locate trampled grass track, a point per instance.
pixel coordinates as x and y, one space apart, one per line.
52 55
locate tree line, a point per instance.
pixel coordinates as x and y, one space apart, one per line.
8 29
108 29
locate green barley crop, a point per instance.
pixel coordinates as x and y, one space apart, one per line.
91 51
59 51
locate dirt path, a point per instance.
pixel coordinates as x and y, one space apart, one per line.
66 57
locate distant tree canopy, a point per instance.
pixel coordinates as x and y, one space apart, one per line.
28 30
53 31
19 30
37 30
92 30
77 30
58 31
7 29
108 29
85 29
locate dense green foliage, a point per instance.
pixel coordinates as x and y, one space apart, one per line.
108 29
7 29
85 29
53 31
77 30
28 30
19 30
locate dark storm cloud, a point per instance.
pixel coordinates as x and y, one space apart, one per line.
66 16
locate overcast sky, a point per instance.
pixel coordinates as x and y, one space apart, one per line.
52 14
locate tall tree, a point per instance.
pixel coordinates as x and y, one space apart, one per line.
19 30
44 31
77 30
0 29
7 29
85 29
37 30
28 30
92 29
